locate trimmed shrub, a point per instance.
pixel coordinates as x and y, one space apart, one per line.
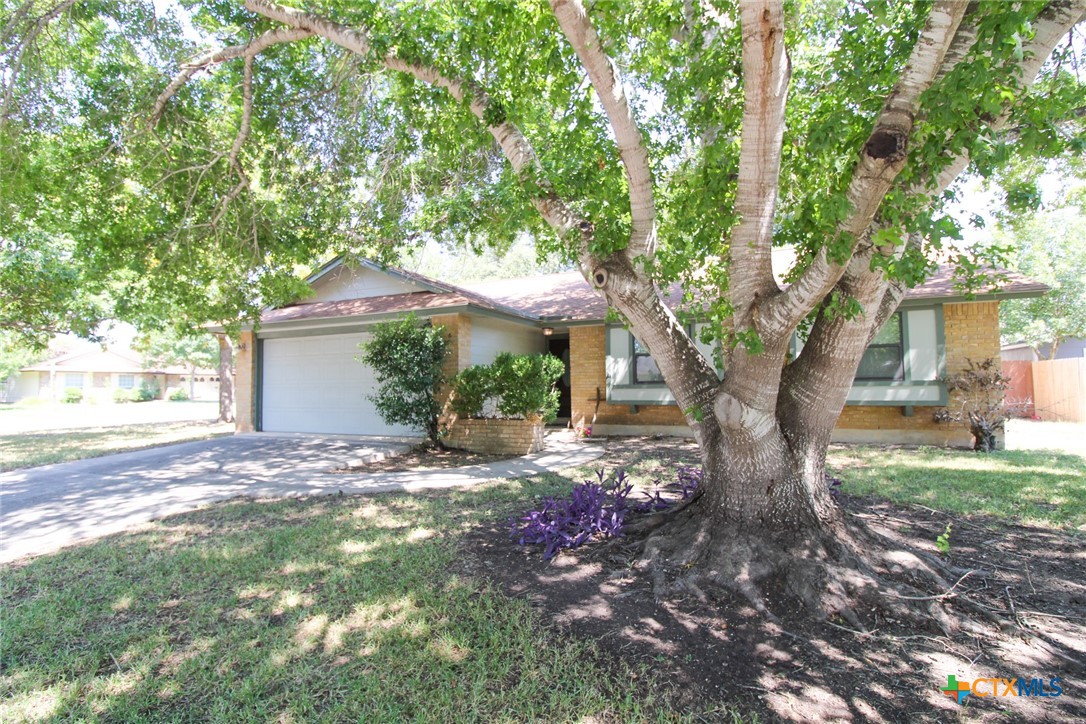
147 391
72 395
471 389
980 390
407 358
178 395
525 384
122 395
522 386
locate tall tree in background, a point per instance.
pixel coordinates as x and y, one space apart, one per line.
1051 248
16 354
659 142
168 347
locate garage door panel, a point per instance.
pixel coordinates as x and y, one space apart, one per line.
315 384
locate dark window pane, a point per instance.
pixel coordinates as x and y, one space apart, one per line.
881 363
645 369
890 332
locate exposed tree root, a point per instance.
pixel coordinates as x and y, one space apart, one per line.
851 574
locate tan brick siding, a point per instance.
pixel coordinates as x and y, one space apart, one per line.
245 391
972 333
496 437
458 333
878 417
588 373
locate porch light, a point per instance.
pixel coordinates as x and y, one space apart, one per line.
548 331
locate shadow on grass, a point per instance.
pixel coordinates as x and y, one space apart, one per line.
336 608
721 653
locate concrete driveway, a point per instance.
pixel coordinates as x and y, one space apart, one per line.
45 508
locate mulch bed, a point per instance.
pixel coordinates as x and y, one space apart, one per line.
423 457
725 654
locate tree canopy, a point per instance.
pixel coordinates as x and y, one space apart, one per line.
206 191
1051 248
167 347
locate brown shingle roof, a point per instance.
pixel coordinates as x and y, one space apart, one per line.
389 303
943 284
91 361
554 296
561 297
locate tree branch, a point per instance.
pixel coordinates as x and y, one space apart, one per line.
837 343
578 29
766 74
1050 26
514 145
881 160
239 141
24 45
214 57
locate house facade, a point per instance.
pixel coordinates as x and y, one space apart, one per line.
298 370
98 373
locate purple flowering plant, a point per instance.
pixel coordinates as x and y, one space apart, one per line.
596 510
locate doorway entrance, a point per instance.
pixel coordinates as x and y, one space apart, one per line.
559 347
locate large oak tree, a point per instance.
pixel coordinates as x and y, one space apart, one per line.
678 140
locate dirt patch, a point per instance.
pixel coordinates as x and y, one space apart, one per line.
723 653
423 457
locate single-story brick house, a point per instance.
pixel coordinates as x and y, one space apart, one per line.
98 373
298 370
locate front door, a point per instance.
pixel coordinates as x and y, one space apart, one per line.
559 347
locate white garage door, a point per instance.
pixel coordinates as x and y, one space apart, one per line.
315 384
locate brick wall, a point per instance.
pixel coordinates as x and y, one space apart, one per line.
496 437
588 372
458 333
244 383
972 333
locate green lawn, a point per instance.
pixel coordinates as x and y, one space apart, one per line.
357 609
344 609
1034 487
28 449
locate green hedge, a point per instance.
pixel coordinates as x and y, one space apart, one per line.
521 384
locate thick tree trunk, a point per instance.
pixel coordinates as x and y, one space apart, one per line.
765 524
226 379
767 484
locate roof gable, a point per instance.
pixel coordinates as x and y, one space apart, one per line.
91 361
343 281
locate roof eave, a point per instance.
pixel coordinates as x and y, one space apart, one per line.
375 317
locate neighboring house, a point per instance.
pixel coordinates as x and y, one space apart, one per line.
299 371
1020 351
98 373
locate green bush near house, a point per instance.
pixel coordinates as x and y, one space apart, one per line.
148 390
521 384
406 357
72 395
471 389
121 395
179 395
